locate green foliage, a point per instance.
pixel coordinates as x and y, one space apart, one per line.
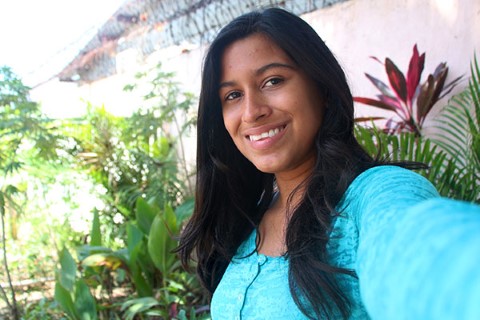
72 294
133 307
21 119
156 283
452 155
24 132
140 163
96 235
68 270
42 309
161 241
145 215
406 146
138 156
458 134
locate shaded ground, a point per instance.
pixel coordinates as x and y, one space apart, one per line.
34 298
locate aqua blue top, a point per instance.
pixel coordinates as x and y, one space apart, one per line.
417 256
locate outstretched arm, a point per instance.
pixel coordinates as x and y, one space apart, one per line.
418 254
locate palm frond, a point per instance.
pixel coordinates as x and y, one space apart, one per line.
458 135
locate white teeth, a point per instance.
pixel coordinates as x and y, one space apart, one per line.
273 132
263 135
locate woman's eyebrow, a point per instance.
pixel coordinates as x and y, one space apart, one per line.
226 84
271 66
259 71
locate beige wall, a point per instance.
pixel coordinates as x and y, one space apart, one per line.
64 99
447 30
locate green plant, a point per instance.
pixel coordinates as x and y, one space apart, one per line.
452 153
142 155
42 309
140 162
152 275
71 293
410 100
458 134
23 130
406 146
166 113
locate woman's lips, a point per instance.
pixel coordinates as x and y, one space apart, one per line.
264 140
267 134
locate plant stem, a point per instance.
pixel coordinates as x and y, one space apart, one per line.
13 305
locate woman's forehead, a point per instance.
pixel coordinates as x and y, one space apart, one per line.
253 52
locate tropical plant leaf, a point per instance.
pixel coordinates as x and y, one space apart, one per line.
425 97
171 220
409 91
145 214
86 250
397 80
375 103
134 307
96 235
451 124
161 241
377 60
405 146
395 103
144 288
458 134
64 298
185 210
474 86
12 167
11 190
380 85
368 119
439 85
415 69
112 261
68 270
449 87
134 236
84 302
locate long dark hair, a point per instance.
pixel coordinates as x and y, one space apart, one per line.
232 195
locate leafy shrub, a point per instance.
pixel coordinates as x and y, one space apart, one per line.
452 153
409 99
128 265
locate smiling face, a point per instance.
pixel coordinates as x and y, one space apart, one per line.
271 108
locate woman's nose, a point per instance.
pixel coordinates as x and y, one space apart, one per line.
255 108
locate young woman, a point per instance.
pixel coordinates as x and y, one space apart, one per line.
293 220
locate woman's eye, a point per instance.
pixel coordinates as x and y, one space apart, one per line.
273 81
233 95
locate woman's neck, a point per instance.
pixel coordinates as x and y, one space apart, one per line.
291 188
274 222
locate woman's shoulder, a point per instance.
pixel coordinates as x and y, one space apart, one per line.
386 173
389 179
385 187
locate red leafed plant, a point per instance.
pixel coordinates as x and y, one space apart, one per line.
406 96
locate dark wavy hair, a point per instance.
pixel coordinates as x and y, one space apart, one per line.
232 195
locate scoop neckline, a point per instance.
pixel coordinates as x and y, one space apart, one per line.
253 243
